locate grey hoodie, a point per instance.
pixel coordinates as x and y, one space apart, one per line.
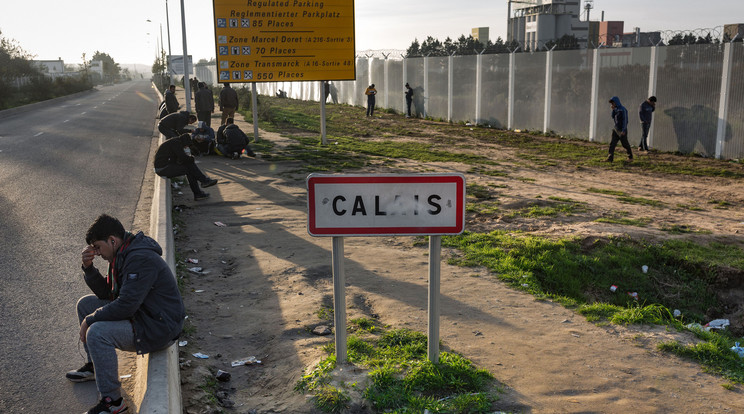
147 296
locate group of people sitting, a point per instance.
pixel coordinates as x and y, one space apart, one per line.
175 156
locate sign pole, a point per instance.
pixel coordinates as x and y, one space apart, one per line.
323 138
339 299
254 109
435 251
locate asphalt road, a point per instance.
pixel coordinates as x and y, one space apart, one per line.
61 165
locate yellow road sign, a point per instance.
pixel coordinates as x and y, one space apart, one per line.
286 40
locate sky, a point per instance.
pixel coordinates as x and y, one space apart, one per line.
130 30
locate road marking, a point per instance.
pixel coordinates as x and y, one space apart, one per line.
66 120
38 134
83 113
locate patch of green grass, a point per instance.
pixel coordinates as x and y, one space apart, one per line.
715 354
478 191
325 313
548 209
402 380
209 386
720 204
682 229
640 200
488 207
364 324
330 399
639 222
607 191
689 207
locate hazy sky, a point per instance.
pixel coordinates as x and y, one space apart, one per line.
51 29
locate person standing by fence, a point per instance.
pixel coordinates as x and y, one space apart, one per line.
228 102
371 92
409 100
204 104
620 129
646 113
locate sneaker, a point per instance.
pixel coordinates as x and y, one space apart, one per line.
209 183
235 156
202 196
82 374
109 406
608 159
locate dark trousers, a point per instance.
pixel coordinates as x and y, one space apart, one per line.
167 132
370 105
205 116
191 171
644 136
623 140
408 105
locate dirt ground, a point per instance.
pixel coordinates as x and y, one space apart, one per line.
264 279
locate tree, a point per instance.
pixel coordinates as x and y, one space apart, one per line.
111 69
14 61
566 42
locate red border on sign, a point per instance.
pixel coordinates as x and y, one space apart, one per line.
313 180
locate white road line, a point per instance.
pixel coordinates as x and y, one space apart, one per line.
66 120
38 134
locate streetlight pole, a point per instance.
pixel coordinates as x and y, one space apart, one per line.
186 71
167 23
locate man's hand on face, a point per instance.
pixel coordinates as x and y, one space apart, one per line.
89 253
83 331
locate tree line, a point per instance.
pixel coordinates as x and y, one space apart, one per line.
23 82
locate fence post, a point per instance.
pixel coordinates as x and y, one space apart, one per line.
478 86
594 99
653 71
548 87
450 82
426 85
510 104
385 80
723 103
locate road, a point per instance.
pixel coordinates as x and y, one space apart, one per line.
61 165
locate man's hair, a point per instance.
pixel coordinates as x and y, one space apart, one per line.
192 117
103 227
172 86
229 121
652 98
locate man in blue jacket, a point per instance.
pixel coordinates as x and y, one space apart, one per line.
620 129
646 113
136 307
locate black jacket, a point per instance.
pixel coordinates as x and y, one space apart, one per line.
235 139
176 121
204 100
146 293
171 152
171 102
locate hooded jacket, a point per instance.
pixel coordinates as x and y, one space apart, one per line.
143 290
235 139
645 112
619 115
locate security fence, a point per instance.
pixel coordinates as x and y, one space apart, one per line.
700 91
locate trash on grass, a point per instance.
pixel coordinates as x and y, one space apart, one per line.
739 350
613 288
220 224
199 291
130 375
200 355
633 295
717 324
223 376
193 261
245 361
677 313
198 270
183 343
644 268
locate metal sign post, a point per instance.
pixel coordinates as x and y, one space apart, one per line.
358 205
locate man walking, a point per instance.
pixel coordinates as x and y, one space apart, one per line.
136 307
620 129
204 104
646 113
228 102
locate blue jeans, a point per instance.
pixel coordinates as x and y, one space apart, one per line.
102 341
644 135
